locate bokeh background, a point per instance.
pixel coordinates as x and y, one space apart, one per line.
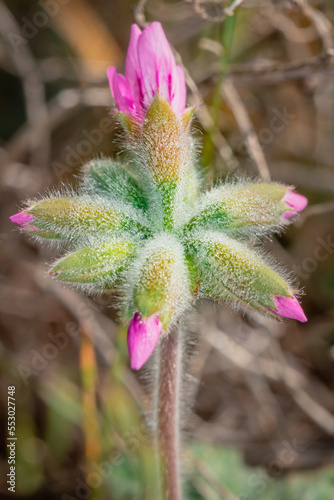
261 393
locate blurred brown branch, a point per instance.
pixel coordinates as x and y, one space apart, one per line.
35 101
139 13
246 127
284 72
225 11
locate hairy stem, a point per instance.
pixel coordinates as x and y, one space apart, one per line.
168 415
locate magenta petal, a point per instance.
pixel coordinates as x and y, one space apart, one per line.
111 73
123 96
289 307
178 98
143 336
157 63
296 201
132 67
22 218
150 69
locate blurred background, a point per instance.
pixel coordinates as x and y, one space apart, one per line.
262 393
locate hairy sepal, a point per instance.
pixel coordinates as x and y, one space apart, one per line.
98 265
186 118
252 208
163 153
111 180
233 272
130 125
166 150
164 141
160 278
79 217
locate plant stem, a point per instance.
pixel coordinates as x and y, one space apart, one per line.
168 414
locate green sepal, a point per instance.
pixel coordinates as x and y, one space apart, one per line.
247 207
129 124
104 177
187 117
225 295
232 271
192 187
167 191
163 142
193 274
178 199
162 283
45 235
100 264
79 217
153 289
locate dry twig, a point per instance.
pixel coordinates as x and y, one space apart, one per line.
280 73
216 485
246 127
139 13
60 109
27 69
319 21
206 120
226 12
275 370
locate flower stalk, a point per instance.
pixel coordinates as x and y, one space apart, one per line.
168 409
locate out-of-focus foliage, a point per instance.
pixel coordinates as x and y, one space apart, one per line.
227 472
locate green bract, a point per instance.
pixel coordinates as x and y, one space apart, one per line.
149 230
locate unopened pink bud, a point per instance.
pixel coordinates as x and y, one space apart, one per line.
143 336
289 307
22 219
150 69
296 201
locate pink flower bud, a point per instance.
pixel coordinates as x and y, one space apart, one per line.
150 69
289 307
143 336
22 219
296 201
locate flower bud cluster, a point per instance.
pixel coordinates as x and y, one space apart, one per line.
148 229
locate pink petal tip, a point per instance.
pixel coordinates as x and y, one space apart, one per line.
22 218
143 336
289 307
296 201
